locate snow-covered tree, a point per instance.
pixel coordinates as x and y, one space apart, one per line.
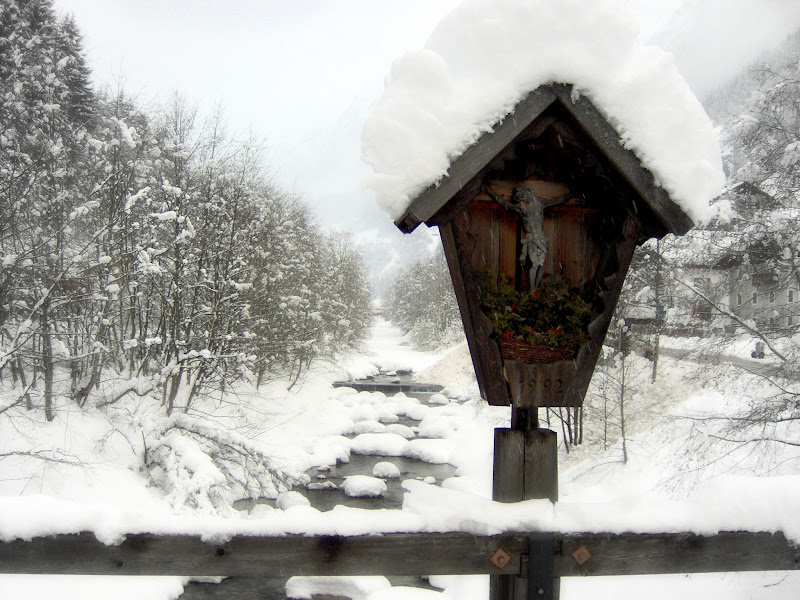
423 303
147 246
45 151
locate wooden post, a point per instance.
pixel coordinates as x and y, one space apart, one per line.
525 468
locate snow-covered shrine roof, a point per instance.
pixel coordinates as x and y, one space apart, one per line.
492 64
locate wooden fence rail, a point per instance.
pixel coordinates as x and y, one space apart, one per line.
399 554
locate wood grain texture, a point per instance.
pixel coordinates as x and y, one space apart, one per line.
249 556
651 554
509 463
397 554
525 468
539 384
610 276
548 190
452 255
461 246
574 248
541 465
469 317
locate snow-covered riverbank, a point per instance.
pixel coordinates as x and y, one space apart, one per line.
100 483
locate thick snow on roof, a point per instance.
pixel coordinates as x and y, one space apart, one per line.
485 56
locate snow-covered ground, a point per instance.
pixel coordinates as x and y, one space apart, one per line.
674 479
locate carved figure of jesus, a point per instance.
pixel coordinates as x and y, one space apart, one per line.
534 244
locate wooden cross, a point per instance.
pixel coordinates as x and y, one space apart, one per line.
535 244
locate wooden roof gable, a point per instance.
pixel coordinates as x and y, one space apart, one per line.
431 206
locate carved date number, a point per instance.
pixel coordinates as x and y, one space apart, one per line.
554 386
549 385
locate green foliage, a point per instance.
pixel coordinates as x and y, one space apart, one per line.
554 314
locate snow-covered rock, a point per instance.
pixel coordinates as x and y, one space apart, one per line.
363 486
386 415
386 470
364 413
403 430
381 444
331 450
322 485
438 399
368 427
343 391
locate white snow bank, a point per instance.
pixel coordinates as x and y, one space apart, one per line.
355 588
702 513
429 450
287 500
454 371
405 593
331 450
363 486
430 508
485 56
70 587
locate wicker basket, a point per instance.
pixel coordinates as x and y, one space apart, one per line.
534 353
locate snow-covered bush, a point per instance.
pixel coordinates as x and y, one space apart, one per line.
207 468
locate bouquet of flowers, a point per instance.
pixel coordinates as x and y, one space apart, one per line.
553 314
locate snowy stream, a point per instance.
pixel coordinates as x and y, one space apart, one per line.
325 489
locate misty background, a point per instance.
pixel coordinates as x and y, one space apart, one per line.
304 76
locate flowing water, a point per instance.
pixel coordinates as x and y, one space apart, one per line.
362 464
326 499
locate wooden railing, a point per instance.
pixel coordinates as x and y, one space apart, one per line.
258 566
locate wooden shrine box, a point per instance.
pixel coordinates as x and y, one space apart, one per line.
551 195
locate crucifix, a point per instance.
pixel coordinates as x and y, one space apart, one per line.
534 244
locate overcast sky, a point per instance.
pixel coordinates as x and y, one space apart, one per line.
303 74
